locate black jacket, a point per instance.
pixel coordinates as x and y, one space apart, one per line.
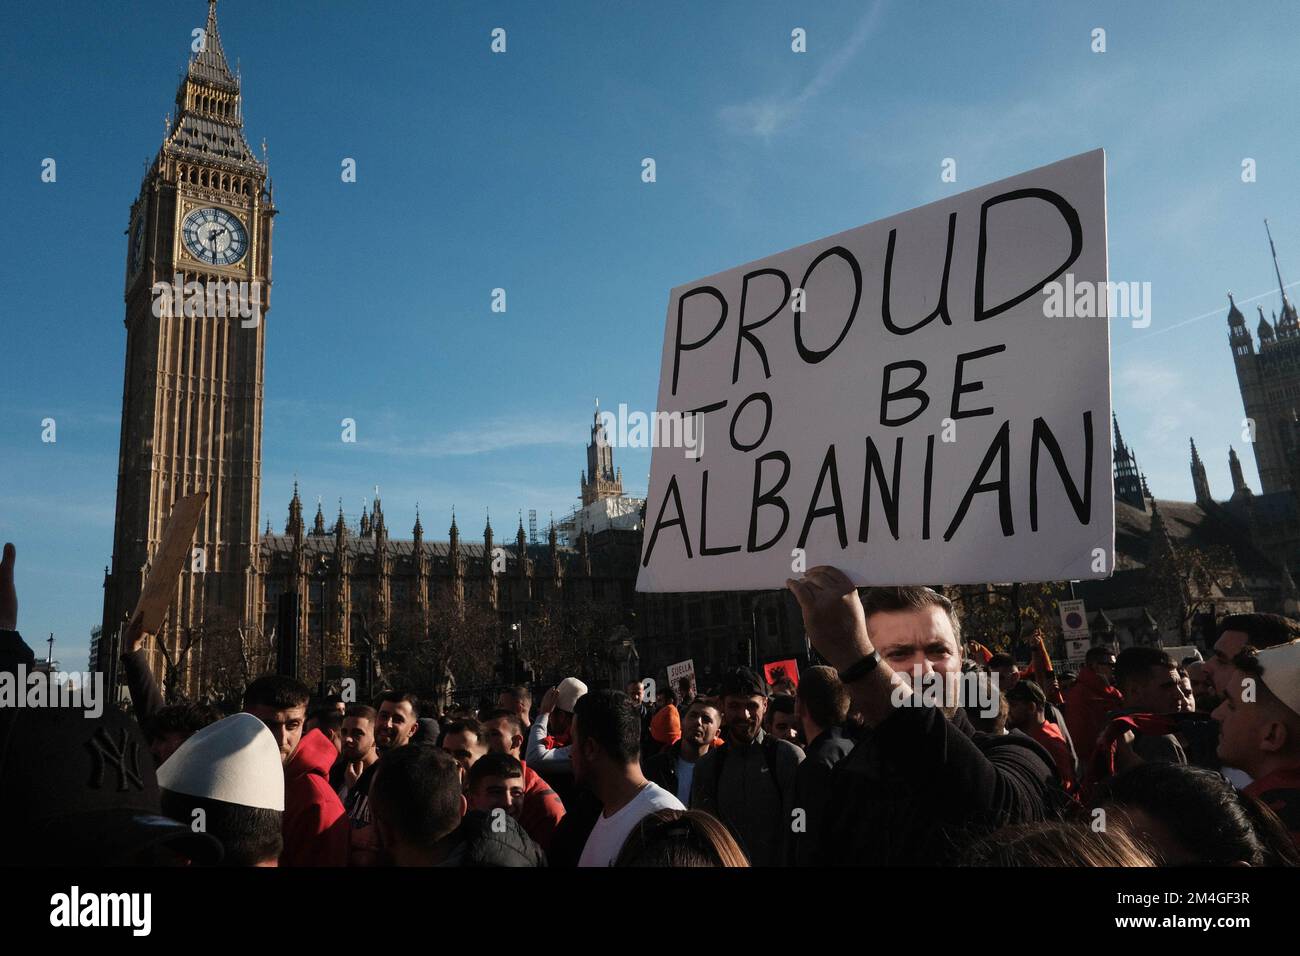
481 840
581 811
917 787
812 787
753 795
662 769
648 746
145 696
14 651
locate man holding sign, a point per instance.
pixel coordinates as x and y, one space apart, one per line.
156 597
921 778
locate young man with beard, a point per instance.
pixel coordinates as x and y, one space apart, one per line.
1027 713
1090 702
1259 723
315 827
782 723
748 783
1149 680
357 749
542 809
674 768
635 690
463 739
395 725
1202 687
1243 633
920 778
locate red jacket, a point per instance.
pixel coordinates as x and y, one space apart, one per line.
1280 790
1102 765
1049 736
542 810
1087 705
315 827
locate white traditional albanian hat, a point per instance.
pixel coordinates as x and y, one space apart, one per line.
235 760
570 690
1281 672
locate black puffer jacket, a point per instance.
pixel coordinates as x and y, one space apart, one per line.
478 842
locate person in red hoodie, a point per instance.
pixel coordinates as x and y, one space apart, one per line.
315 827
1027 713
1091 700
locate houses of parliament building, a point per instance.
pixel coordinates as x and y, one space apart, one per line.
192 420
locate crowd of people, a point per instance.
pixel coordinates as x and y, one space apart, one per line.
1137 760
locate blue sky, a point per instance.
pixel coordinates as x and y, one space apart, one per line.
522 171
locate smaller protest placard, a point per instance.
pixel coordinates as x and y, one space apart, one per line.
160 586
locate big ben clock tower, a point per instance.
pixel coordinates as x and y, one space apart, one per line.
192 391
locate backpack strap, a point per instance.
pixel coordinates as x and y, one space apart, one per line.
769 755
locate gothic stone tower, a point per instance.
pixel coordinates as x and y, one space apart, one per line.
192 391
1270 384
600 480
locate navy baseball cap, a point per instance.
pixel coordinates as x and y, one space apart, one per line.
82 790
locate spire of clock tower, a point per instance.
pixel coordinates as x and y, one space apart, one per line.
193 383
209 107
209 64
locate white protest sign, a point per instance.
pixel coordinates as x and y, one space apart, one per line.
898 400
1074 620
679 670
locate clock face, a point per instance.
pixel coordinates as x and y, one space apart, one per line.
137 244
215 236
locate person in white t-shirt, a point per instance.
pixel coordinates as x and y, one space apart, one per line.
606 756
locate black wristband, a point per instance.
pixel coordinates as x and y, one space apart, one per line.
861 669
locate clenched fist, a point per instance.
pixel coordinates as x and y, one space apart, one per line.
832 615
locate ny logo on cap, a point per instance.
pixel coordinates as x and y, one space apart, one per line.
107 753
